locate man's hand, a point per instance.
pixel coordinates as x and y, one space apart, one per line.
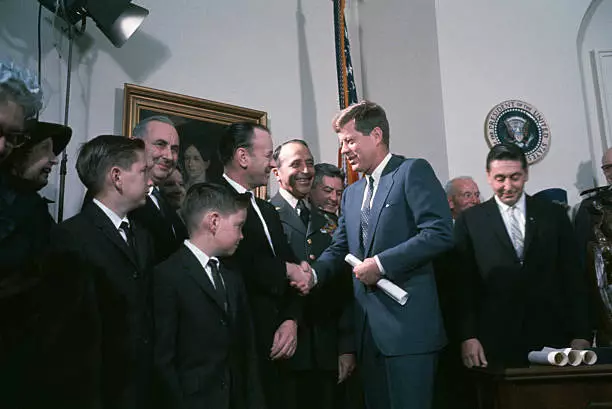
300 276
367 272
346 366
473 354
285 341
580 344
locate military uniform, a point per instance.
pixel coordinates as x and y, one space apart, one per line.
326 329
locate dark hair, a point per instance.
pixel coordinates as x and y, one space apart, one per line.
99 155
206 197
326 169
367 115
237 135
277 151
506 151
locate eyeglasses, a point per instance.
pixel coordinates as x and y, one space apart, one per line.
469 195
15 138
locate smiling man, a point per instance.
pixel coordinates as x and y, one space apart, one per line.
157 215
396 219
327 188
520 284
324 356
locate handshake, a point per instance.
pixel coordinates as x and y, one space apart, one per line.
300 276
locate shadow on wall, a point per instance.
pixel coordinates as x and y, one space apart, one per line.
584 176
310 127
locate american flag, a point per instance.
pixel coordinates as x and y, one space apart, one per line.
347 91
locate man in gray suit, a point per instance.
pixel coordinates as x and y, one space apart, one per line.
396 219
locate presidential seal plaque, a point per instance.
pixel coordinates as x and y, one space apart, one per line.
520 123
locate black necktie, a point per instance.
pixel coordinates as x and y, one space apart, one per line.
365 213
129 237
164 209
218 282
303 211
160 200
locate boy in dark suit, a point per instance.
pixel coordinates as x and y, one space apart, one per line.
115 254
204 349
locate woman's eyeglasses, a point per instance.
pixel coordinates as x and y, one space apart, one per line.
15 138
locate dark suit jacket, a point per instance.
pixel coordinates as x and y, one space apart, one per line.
204 354
89 242
409 225
513 308
327 327
160 226
271 297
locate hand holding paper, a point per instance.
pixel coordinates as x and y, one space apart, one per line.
397 293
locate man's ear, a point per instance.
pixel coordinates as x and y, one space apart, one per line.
276 174
451 204
243 157
377 134
115 177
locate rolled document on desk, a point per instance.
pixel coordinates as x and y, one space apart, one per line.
395 292
588 357
576 357
573 356
555 358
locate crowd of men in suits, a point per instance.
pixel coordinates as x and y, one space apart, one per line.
235 302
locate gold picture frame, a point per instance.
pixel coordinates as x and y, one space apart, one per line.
199 121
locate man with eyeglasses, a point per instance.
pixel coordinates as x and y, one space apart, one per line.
462 193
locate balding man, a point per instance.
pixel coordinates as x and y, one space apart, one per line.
462 193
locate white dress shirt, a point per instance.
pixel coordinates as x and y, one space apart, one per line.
114 218
376 174
506 213
292 200
203 259
241 189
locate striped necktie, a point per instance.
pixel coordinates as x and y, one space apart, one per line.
515 233
365 213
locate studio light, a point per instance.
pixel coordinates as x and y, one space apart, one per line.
117 19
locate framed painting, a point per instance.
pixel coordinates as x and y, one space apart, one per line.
200 124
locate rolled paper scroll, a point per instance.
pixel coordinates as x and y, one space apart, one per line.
392 290
555 358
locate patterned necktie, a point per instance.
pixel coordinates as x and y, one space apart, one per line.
218 282
303 211
515 233
365 213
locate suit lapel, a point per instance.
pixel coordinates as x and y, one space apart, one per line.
103 223
382 192
317 221
497 224
353 212
194 269
531 225
288 214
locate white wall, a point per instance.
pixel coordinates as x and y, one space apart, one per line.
492 51
594 36
253 54
399 69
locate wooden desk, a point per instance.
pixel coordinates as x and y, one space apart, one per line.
545 387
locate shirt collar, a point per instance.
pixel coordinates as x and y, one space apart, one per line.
379 169
199 254
239 188
520 204
114 218
292 200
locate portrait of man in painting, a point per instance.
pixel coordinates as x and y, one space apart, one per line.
200 125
